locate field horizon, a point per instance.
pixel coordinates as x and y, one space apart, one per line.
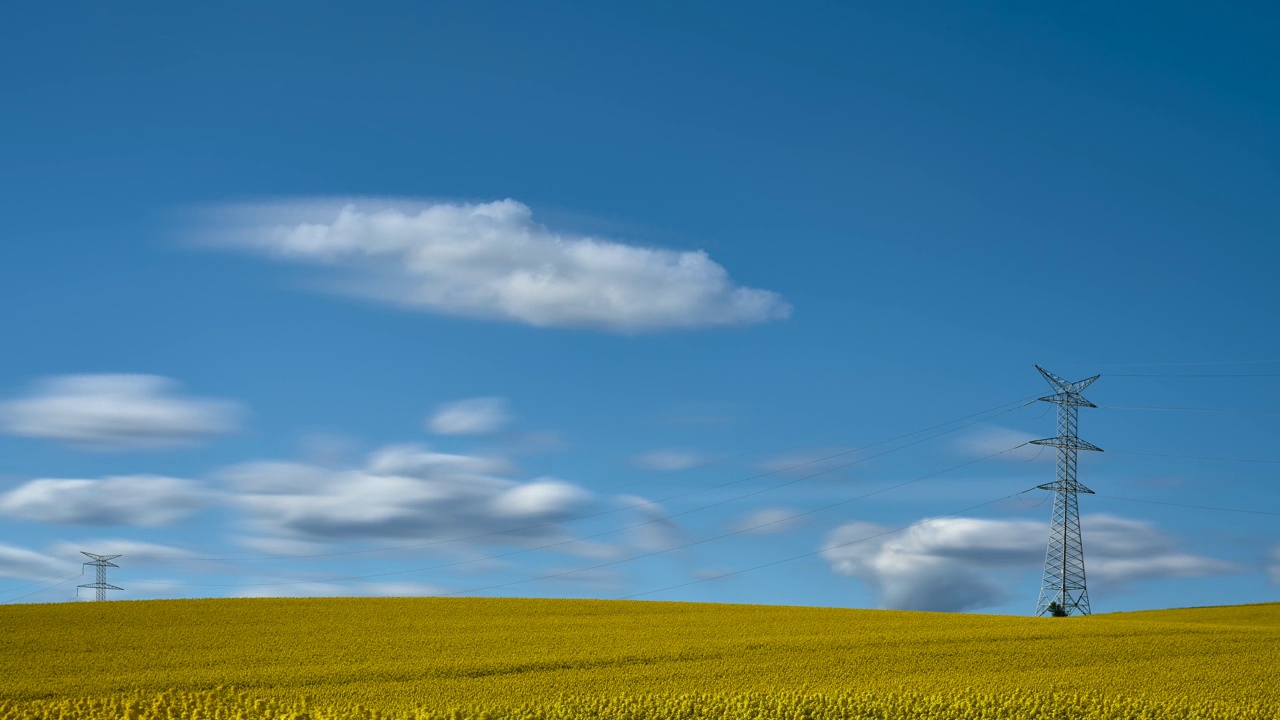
594 600
518 657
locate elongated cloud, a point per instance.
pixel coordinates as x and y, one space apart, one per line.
116 412
670 460
24 564
956 564
655 531
475 416
768 520
144 500
987 439
403 491
363 589
492 261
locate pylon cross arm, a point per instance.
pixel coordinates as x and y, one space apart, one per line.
1063 386
1068 442
1068 398
1078 488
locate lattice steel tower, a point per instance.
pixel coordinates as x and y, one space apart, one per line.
101 562
1063 580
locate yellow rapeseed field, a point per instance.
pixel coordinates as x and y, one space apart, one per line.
435 658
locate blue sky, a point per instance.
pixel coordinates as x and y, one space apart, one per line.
580 300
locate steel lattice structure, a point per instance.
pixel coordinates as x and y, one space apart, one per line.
101 562
1063 582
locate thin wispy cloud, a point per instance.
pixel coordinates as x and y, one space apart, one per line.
986 440
655 531
356 589
766 521
137 552
670 460
116 412
474 416
493 261
24 564
809 461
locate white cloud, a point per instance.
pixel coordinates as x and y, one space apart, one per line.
134 552
476 416
491 260
116 412
985 440
278 546
656 531
1120 550
670 460
1273 569
539 499
402 491
127 500
810 461
360 589
956 564
24 564
767 520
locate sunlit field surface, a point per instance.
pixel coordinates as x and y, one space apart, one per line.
493 658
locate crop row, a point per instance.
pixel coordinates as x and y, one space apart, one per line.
224 704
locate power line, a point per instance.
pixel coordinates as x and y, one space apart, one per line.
1193 375
603 533
908 527
44 589
1193 507
1194 457
825 548
8 590
737 532
1002 408
1174 364
1189 409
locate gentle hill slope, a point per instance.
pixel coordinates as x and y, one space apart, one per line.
398 654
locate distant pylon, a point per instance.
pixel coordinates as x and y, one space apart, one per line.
1062 583
101 562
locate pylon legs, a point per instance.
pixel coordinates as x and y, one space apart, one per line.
1063 581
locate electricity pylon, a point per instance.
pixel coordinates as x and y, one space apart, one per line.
1062 584
101 562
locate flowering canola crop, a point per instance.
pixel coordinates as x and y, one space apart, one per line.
472 658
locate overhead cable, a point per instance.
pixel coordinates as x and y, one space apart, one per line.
1193 507
595 535
996 411
824 548
1195 457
